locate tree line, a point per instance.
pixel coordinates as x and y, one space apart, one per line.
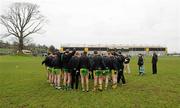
12 48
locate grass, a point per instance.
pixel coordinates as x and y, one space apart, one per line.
23 85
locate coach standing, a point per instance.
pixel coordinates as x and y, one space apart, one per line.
126 64
154 63
120 76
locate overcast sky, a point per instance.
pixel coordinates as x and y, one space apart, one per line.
139 22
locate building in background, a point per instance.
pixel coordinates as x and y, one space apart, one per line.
125 49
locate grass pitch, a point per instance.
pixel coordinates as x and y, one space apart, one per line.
23 85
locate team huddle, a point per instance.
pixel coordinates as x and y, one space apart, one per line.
65 70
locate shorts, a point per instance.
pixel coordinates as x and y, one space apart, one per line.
105 72
50 69
66 70
84 71
114 72
97 73
56 71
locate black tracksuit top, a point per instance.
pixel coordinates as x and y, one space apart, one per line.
48 61
107 61
84 62
98 62
74 62
140 61
114 63
66 58
120 60
154 59
56 61
91 62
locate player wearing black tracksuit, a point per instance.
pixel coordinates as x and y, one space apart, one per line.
74 70
106 71
98 63
56 61
107 62
154 63
48 65
91 76
65 59
114 69
84 62
84 65
47 61
120 59
67 75
113 63
98 67
141 64
57 65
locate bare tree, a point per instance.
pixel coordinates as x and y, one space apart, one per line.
26 41
22 20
